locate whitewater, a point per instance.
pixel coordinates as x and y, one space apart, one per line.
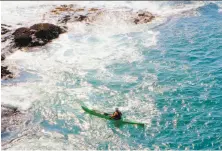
166 73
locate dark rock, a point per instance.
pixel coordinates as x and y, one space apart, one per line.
65 19
81 18
2 57
5 33
143 17
6 25
22 36
73 17
136 20
5 73
36 35
46 31
4 30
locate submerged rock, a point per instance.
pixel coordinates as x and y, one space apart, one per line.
8 110
81 17
64 19
4 29
6 114
12 119
2 57
5 32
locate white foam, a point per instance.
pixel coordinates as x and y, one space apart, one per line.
21 96
75 51
27 12
82 49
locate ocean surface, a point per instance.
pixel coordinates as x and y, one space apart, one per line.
167 74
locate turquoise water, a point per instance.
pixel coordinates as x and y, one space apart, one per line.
191 66
174 86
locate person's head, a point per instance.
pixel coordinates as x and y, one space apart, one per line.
117 109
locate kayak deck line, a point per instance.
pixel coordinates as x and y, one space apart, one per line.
106 116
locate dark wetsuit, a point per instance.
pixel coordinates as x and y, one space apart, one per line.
117 115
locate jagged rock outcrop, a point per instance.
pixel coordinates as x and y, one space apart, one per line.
143 17
72 13
5 73
37 35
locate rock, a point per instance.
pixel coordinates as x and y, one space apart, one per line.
143 17
81 17
4 29
6 37
63 29
22 36
5 73
65 19
93 9
11 118
5 32
2 57
46 31
63 8
72 13
8 110
36 35
6 25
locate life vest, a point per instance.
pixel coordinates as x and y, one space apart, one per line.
118 116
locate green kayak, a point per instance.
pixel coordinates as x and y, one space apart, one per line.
107 116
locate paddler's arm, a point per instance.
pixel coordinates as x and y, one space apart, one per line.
114 114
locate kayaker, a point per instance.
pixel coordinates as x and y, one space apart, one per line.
116 115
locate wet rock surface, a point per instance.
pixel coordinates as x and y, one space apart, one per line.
4 29
5 73
37 35
12 121
11 118
2 57
72 13
5 32
22 36
143 17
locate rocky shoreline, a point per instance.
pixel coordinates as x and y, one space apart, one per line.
40 34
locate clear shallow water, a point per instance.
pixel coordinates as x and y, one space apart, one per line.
167 74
